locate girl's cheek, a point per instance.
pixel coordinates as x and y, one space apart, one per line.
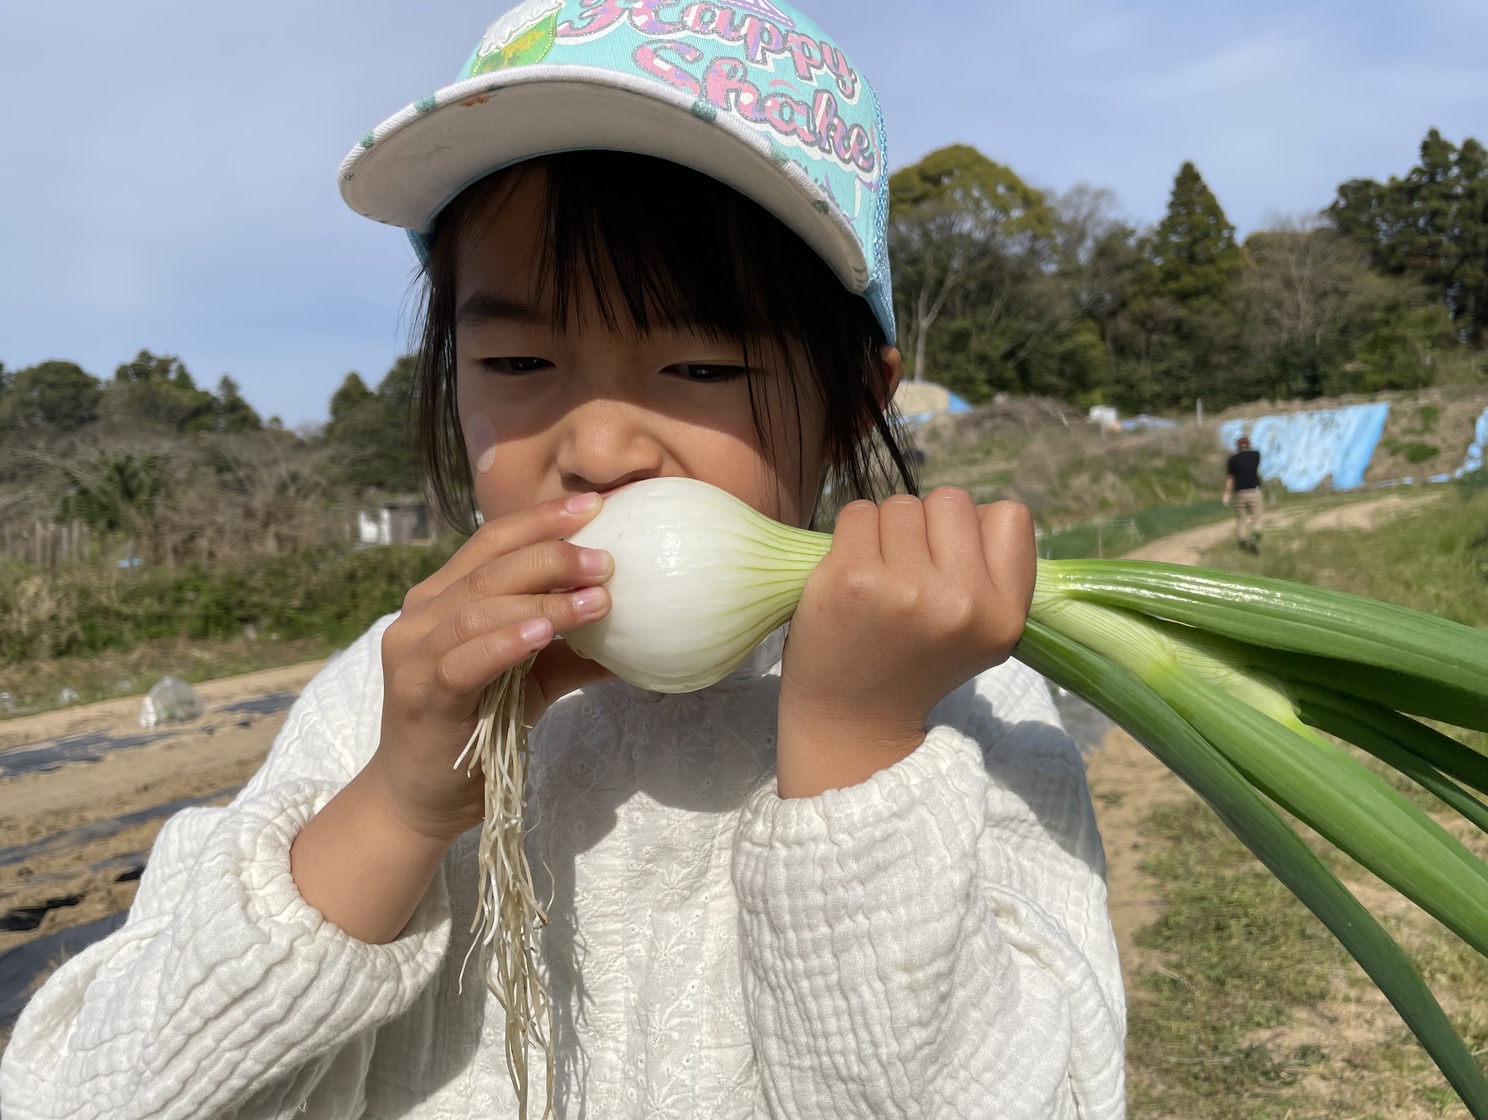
480 441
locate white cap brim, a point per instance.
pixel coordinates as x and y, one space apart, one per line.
408 169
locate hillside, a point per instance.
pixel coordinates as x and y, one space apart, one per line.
1051 457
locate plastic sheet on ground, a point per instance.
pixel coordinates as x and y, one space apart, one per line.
1303 450
1475 452
170 701
1144 423
919 402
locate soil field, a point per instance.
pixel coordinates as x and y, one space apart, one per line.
83 792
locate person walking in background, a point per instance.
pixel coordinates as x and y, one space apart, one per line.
1243 482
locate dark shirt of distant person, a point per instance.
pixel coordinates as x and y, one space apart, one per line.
1243 483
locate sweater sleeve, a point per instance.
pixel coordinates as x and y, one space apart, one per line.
225 994
935 941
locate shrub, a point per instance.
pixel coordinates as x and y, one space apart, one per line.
331 593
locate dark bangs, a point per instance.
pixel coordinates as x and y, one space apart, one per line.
660 246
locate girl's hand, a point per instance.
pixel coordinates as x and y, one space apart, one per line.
915 598
501 598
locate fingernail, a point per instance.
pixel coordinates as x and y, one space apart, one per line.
582 503
591 600
594 561
535 631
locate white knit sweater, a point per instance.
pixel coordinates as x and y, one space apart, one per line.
932 943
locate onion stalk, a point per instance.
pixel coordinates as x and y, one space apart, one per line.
1227 679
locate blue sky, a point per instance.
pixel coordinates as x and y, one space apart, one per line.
168 169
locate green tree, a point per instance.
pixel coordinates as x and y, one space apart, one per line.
1304 299
1014 326
115 490
1181 333
156 390
1399 351
1101 263
230 412
1430 226
345 401
52 396
372 433
955 218
146 368
1193 251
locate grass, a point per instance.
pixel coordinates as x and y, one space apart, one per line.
1432 560
1228 932
1250 1010
35 686
106 632
1412 451
1113 536
1451 966
1107 536
983 469
1066 475
1247 1007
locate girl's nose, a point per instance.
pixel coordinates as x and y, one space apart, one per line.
606 442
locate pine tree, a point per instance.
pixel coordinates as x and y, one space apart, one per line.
155 390
1193 250
1430 226
345 402
1181 315
372 432
232 413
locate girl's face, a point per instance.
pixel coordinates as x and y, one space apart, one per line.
553 409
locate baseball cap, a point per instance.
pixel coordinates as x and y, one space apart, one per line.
751 92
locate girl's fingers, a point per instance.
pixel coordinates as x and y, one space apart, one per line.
469 667
856 537
1008 545
532 570
901 532
561 611
546 521
953 530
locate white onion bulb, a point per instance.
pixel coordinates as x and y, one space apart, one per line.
701 578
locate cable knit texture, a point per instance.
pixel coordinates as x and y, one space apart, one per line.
931 943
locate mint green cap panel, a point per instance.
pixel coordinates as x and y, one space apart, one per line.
760 64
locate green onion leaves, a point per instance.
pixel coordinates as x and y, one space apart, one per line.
1227 679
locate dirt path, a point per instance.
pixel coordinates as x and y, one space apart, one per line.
1189 546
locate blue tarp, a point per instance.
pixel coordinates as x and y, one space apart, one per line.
1475 452
912 420
1305 449
1144 423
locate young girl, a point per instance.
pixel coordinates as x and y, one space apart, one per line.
858 877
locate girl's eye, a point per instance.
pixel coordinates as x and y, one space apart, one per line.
514 365
707 371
